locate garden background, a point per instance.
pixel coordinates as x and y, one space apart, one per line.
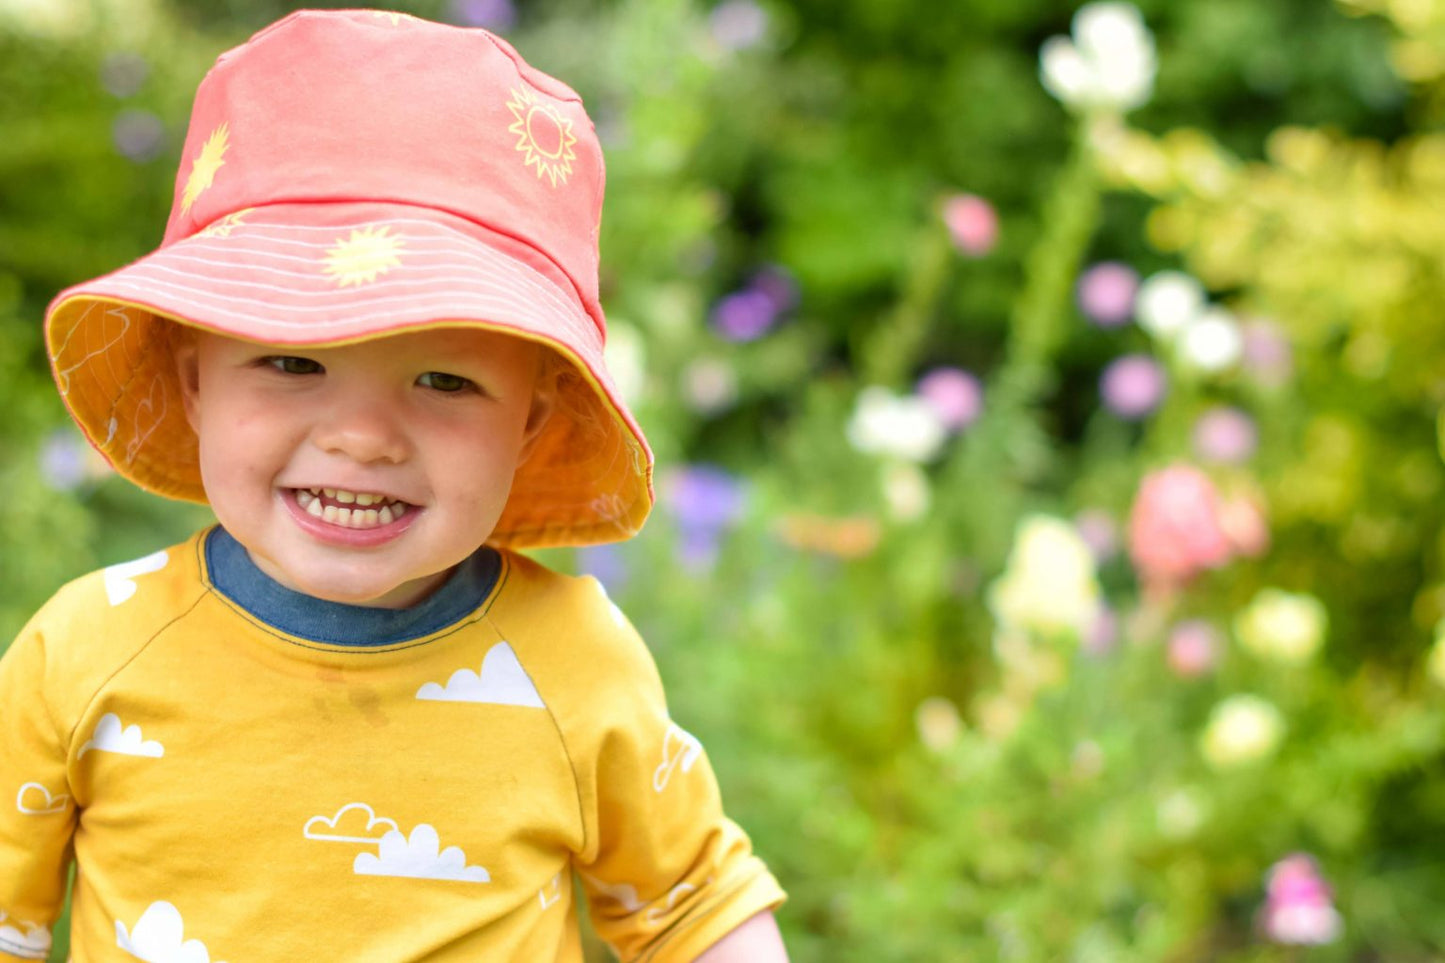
1049 548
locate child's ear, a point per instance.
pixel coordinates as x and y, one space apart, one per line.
544 400
185 355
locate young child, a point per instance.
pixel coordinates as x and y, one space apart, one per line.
350 723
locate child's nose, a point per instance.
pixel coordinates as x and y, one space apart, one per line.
363 429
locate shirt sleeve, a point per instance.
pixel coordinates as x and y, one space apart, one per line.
670 874
37 809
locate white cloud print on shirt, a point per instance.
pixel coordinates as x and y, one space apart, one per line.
120 579
110 736
35 800
502 681
419 856
159 937
22 938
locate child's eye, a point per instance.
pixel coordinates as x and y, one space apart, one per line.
293 365
441 381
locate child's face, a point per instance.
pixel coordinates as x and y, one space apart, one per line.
427 426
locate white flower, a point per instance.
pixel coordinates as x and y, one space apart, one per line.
1167 303
938 723
1212 342
125 23
1282 626
906 491
709 385
1241 729
626 359
1180 814
1108 64
1050 585
45 18
886 424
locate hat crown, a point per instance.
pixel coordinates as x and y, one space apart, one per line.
363 105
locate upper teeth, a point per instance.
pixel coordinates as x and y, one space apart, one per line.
346 498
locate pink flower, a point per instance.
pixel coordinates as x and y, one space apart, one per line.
971 222
1098 530
1298 907
1244 525
954 394
1106 293
1174 529
1225 436
1193 648
1133 386
1103 633
738 24
1267 356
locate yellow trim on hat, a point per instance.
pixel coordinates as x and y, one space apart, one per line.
114 374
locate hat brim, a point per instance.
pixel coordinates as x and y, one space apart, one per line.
337 273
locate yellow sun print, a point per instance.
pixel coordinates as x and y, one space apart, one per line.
544 135
224 226
204 167
361 258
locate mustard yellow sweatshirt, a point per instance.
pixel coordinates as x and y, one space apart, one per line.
231 791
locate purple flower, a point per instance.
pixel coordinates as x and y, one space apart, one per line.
738 24
1298 907
972 223
1133 386
64 460
138 135
779 286
1106 292
703 497
123 74
954 394
604 563
744 315
1225 436
496 15
706 501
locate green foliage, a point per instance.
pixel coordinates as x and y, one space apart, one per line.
934 771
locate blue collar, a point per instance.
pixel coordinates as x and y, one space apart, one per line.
236 577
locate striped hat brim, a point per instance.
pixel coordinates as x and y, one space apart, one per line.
337 273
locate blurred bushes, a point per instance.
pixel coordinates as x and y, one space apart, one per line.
1127 660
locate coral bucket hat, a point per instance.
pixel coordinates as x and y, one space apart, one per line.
353 174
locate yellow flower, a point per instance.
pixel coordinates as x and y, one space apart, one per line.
1050 584
1282 626
1241 729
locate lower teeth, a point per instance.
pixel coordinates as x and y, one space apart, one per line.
349 517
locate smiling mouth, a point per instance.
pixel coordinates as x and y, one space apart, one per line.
350 509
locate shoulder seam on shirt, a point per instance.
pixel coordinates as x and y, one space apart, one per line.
571 767
556 724
70 736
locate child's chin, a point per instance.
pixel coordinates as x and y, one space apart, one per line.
383 594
